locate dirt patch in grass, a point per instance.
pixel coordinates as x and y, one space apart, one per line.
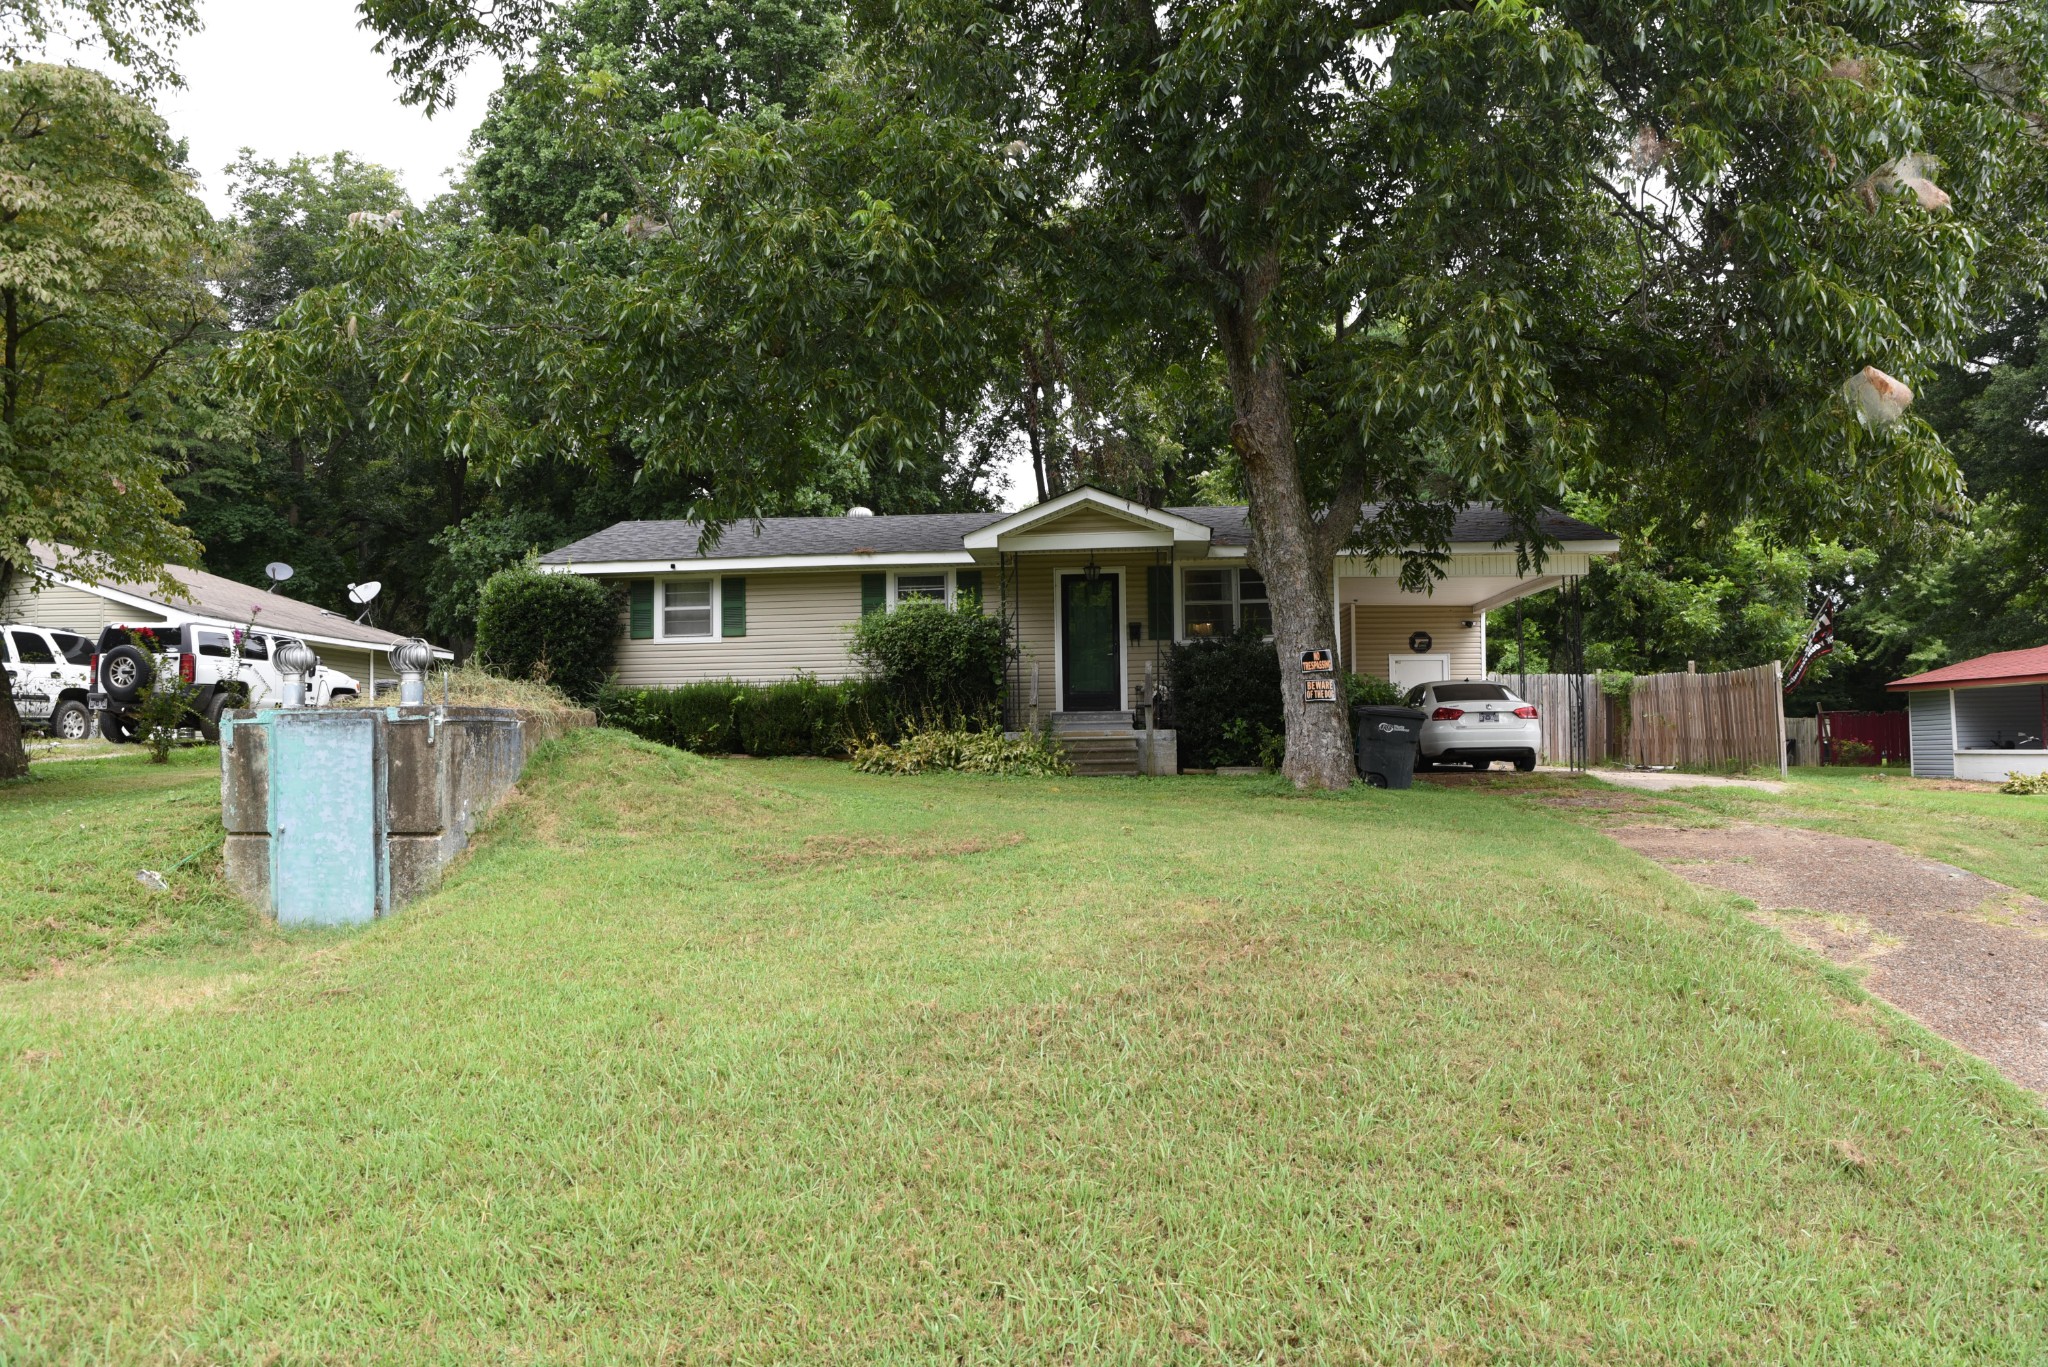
839 848
1965 956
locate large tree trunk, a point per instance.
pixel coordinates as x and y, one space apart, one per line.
1289 544
13 753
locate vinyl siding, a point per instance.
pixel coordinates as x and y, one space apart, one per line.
69 609
1083 520
798 622
1478 564
1933 748
1373 631
355 663
1033 592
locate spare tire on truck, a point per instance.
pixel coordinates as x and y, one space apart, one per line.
125 671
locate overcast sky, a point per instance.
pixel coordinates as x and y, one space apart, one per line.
290 76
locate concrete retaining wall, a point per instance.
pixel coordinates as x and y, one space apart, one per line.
337 816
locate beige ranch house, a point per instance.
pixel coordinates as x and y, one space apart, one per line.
1096 587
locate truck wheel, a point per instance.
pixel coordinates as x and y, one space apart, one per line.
117 728
125 670
71 721
209 717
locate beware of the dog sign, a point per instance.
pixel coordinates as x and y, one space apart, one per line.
1318 676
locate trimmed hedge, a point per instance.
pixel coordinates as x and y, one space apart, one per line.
1224 696
725 717
559 629
940 664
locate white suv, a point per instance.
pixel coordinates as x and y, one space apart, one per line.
227 667
52 674
1476 723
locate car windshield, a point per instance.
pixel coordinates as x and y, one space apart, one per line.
1471 692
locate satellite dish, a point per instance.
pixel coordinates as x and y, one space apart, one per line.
278 572
363 594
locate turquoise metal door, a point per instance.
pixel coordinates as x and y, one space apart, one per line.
326 826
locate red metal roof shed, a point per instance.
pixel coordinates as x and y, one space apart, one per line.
2004 667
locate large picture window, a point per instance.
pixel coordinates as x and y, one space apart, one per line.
1216 602
686 610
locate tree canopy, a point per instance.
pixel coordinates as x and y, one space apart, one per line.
103 252
1436 250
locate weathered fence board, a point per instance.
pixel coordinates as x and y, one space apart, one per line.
1691 721
1704 721
1552 696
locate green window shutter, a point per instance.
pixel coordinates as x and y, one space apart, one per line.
640 610
966 585
733 603
874 593
1159 593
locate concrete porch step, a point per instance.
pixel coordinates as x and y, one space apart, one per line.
1090 723
1101 755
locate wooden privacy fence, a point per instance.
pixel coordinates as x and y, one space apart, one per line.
1691 721
1705 721
1554 702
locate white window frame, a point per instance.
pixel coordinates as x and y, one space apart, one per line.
717 607
1236 600
920 572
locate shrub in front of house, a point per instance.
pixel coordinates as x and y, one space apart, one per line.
558 629
799 716
954 749
935 663
1223 694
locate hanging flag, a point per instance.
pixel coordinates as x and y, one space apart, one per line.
1819 641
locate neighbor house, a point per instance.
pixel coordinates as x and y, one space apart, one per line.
72 601
1980 719
1095 587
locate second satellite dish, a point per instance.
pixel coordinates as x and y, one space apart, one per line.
278 572
364 593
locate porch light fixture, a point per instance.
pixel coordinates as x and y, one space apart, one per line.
1092 572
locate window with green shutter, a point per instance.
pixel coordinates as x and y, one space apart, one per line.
640 610
733 599
874 593
1159 601
967 587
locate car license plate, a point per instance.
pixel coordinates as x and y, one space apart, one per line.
1489 716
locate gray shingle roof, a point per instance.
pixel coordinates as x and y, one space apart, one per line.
935 533
228 600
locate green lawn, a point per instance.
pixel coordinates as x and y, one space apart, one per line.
1999 835
72 839
773 1062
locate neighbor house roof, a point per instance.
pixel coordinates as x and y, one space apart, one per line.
940 534
2005 667
225 601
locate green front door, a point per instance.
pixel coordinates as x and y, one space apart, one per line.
1091 672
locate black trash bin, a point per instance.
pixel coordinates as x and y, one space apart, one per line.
1386 741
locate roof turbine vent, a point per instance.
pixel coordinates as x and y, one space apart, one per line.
857 511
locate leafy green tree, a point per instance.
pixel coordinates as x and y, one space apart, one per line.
1444 249
102 299
1976 583
137 34
1736 600
577 134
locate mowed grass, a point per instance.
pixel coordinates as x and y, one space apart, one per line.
73 837
704 1061
2000 835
